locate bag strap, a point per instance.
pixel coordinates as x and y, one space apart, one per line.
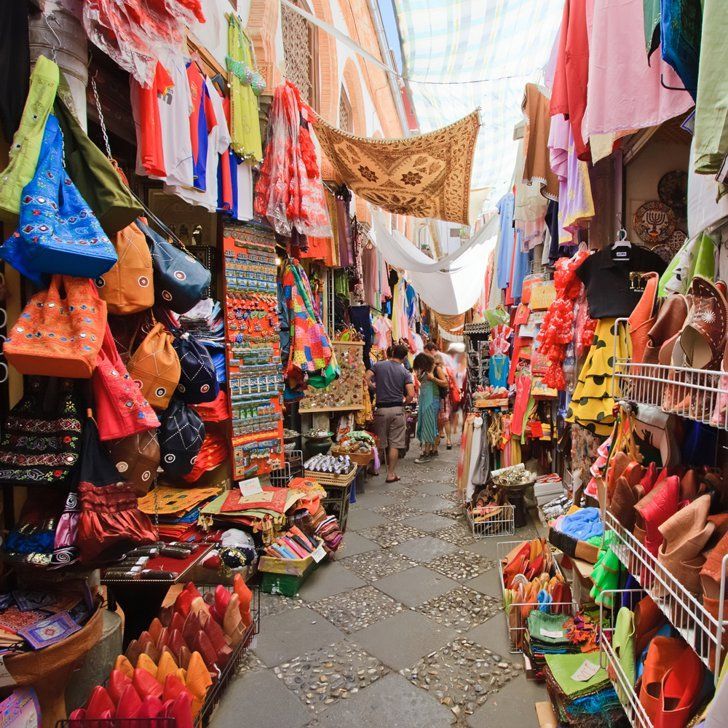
173 239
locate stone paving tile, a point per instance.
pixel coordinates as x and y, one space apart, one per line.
396 512
415 586
249 663
461 565
253 698
400 641
458 533
328 674
375 499
453 497
271 604
392 534
461 676
285 635
429 522
436 487
428 503
512 706
361 518
424 549
354 544
357 609
390 702
377 564
328 579
461 608
454 513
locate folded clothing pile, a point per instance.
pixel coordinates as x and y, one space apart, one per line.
177 510
293 544
557 634
581 692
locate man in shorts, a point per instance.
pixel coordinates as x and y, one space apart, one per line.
394 387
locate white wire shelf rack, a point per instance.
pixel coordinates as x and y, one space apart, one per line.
516 630
700 629
696 394
492 520
626 691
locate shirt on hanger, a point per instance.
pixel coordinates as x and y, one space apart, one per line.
145 109
607 283
175 106
202 121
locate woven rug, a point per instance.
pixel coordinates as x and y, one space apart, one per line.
423 176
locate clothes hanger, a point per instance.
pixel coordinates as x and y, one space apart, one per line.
622 246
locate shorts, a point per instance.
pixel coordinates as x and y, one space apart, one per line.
390 427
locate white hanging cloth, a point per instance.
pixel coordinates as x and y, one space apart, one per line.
451 285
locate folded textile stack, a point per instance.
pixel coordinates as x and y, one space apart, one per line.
36 619
581 691
213 453
557 634
206 322
176 509
547 488
578 533
532 581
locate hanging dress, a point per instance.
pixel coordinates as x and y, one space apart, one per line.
428 407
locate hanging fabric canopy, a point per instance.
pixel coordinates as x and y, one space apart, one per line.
423 176
451 285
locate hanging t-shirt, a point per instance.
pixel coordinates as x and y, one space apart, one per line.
175 106
218 143
202 121
505 240
243 209
147 123
382 332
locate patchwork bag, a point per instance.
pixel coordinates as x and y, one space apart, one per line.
57 231
60 331
41 438
180 280
155 367
198 380
137 460
129 286
120 404
180 439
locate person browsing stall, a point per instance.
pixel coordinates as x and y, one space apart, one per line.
394 387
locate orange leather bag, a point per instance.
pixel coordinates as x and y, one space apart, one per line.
155 367
129 286
60 331
643 318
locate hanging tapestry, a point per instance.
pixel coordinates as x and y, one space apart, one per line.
425 176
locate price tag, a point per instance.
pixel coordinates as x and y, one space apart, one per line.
586 671
553 633
250 487
319 553
6 678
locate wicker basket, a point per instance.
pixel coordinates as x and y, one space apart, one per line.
340 481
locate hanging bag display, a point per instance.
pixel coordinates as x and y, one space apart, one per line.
60 331
180 439
198 378
180 280
155 367
120 404
41 437
129 286
57 231
137 460
110 521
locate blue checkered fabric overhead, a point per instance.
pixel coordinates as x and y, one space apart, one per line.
477 53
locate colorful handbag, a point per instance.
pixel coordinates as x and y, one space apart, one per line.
137 459
155 367
110 521
57 231
121 407
129 286
180 439
180 280
42 435
198 378
59 335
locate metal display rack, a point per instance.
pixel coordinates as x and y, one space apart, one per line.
696 394
515 632
500 521
700 629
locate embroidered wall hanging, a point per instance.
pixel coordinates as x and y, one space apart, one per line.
424 176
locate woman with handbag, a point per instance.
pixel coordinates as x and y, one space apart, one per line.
428 407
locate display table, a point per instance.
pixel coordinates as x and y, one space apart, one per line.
141 599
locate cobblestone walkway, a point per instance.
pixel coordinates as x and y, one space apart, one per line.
405 629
